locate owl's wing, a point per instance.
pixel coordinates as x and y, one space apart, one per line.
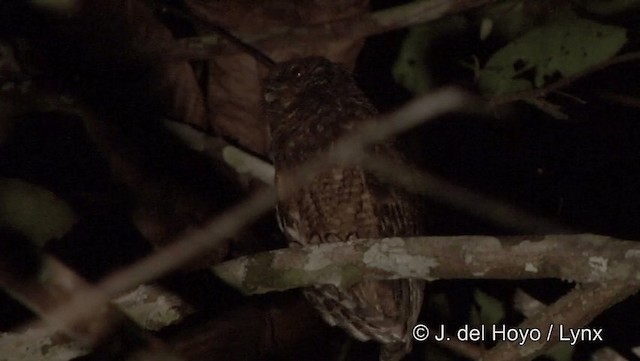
351 203
399 212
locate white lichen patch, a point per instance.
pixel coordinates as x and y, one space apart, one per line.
321 257
598 264
41 344
335 278
632 254
532 246
530 267
481 244
151 308
391 255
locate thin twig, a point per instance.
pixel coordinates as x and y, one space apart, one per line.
460 197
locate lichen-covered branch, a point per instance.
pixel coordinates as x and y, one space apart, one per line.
584 258
150 307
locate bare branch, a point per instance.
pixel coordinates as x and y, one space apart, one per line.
581 258
460 197
241 161
574 310
374 23
463 348
393 172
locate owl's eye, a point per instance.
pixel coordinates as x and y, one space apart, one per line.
296 71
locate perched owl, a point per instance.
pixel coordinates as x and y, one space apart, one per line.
309 104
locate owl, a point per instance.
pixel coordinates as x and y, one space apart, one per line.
310 103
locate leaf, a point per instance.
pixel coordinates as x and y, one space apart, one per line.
34 211
563 48
562 351
489 310
410 69
509 18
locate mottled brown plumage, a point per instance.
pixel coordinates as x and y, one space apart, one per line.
310 103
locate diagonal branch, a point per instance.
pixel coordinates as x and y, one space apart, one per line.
360 27
418 181
472 202
57 284
84 303
574 310
149 306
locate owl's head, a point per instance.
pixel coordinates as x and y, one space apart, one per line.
309 103
293 79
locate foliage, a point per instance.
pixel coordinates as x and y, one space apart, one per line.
534 46
34 211
561 48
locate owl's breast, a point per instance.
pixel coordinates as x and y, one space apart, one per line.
335 207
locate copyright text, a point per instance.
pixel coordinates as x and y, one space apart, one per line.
504 333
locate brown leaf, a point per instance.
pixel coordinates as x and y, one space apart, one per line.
174 81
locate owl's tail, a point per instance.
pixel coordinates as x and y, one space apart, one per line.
394 351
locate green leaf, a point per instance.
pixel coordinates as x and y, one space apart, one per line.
509 18
562 351
563 48
490 310
410 69
34 211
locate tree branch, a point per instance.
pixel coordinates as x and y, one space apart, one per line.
84 303
150 307
574 310
374 23
472 202
585 258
